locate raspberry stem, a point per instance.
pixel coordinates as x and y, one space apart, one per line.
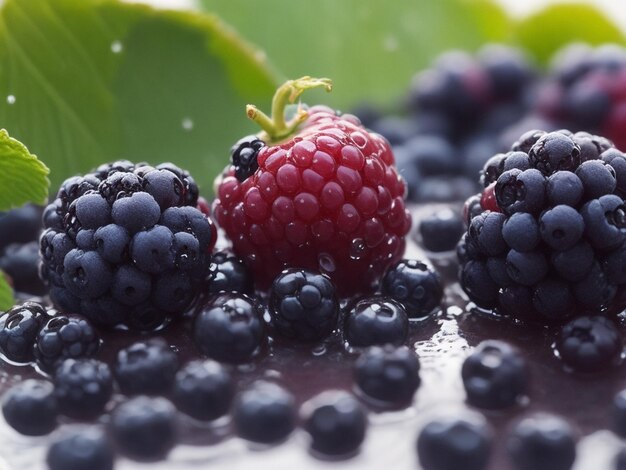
276 128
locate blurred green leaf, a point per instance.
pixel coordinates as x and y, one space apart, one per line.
370 49
546 31
23 178
6 294
89 81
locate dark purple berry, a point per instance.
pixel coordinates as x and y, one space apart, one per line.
376 321
227 273
86 449
415 285
30 407
82 387
244 154
19 331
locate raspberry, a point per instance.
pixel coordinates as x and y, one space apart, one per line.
325 197
64 337
556 246
415 285
85 449
126 244
19 332
303 305
31 408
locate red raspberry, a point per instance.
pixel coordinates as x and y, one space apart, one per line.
325 196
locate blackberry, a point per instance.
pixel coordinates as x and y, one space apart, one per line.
555 233
415 285
387 374
376 321
303 305
144 428
542 442
494 375
229 328
147 367
64 337
441 231
86 449
335 422
243 156
30 407
453 443
21 264
203 390
19 331
589 344
264 413
82 387
227 273
126 244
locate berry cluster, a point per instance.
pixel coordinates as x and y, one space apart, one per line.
126 244
547 239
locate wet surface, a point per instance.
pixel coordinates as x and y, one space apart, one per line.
442 342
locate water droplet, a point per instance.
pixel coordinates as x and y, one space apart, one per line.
326 262
117 47
187 124
357 248
11 99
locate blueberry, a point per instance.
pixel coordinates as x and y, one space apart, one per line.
526 268
19 332
31 408
147 367
388 374
229 328
618 413
574 264
495 375
243 156
597 177
86 449
521 191
542 442
521 232
397 130
589 344
433 155
303 305
478 284
486 230
227 273
376 321
553 299
21 264
20 225
605 222
554 152
564 187
82 387
144 428
415 285
203 390
561 227
335 422
441 230
137 212
454 443
64 337
264 413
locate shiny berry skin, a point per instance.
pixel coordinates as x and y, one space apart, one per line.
87 449
203 390
64 337
229 328
454 443
19 331
387 374
327 199
618 414
21 264
542 442
243 156
376 321
589 344
264 413
415 285
30 407
227 273
144 428
147 368
336 423
441 231
82 387
303 305
495 375
126 245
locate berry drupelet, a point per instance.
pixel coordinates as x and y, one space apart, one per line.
126 244
323 195
19 331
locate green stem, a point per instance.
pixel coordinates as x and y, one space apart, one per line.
275 127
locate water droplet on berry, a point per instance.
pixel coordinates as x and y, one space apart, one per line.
117 47
326 262
357 248
187 124
11 99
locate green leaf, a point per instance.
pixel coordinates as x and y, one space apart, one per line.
544 32
90 81
23 178
370 49
6 294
